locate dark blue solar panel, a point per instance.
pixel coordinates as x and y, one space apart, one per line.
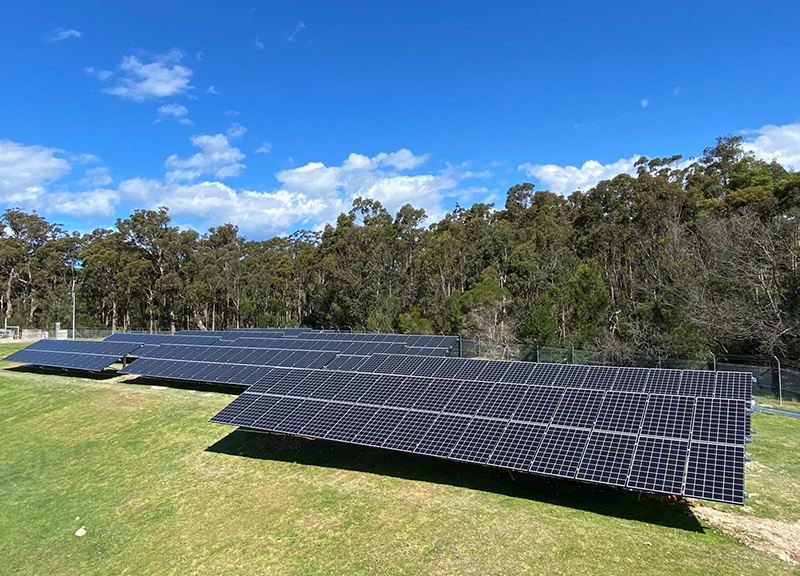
560 451
621 412
517 446
658 465
607 459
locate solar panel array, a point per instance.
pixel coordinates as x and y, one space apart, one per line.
669 431
75 355
565 421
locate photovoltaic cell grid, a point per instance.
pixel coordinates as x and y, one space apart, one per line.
75 355
657 443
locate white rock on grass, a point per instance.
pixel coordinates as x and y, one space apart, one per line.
81 531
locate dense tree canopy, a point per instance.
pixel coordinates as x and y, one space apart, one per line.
676 261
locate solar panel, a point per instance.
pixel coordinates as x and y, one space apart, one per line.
668 416
600 377
479 440
621 412
697 383
663 382
658 465
578 408
720 420
631 379
443 435
517 446
715 472
607 459
560 451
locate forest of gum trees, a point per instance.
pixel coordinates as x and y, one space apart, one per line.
680 260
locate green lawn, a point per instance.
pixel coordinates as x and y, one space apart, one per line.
160 490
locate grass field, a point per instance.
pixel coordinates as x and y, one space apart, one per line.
160 490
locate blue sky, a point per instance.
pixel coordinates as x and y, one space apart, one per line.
275 116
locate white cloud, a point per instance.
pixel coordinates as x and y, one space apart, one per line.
60 34
644 102
24 169
265 148
99 203
217 157
160 77
403 159
566 179
779 143
103 75
310 195
360 175
231 112
200 55
235 131
291 35
212 90
258 43
174 111
677 90
27 171
95 177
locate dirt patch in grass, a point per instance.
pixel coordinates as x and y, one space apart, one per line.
781 539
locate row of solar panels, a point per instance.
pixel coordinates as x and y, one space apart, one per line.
656 443
252 337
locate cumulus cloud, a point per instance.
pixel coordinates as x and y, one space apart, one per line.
25 169
644 102
309 195
60 34
770 142
26 172
257 213
98 203
778 143
212 90
566 179
161 76
265 148
216 157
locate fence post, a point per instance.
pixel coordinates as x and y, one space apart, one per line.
780 385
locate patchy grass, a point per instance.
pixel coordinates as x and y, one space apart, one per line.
160 490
